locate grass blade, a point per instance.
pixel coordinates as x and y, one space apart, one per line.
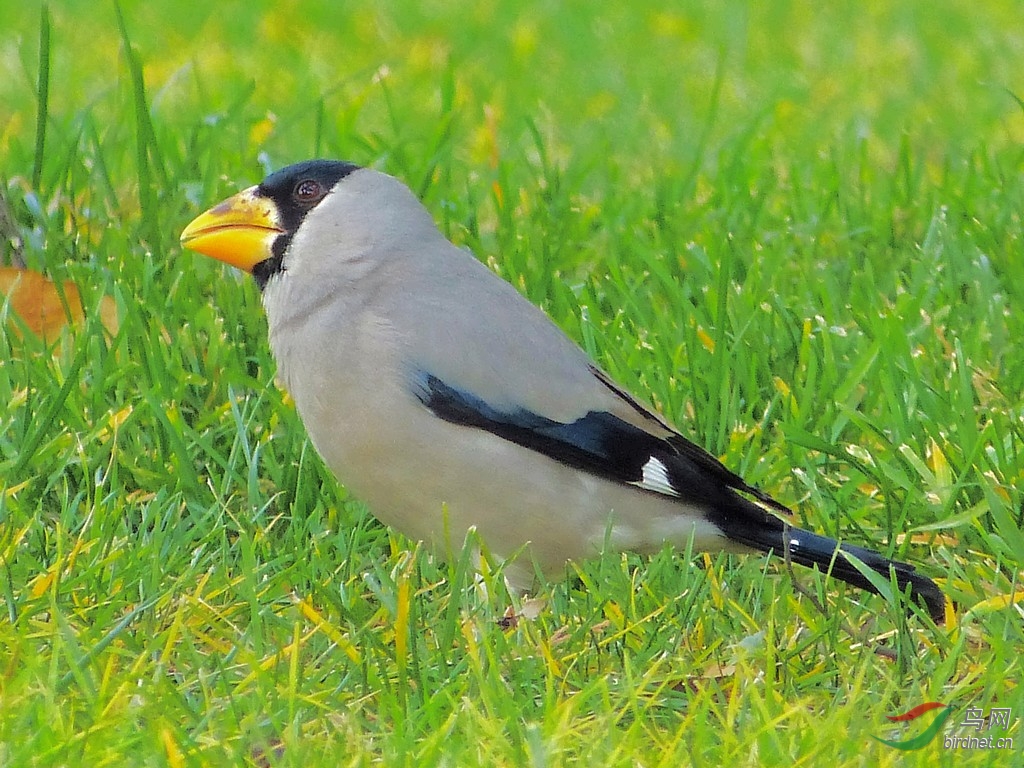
42 94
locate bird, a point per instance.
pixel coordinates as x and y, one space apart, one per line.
447 402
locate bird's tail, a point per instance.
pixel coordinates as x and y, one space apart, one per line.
810 549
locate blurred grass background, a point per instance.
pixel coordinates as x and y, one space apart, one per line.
795 229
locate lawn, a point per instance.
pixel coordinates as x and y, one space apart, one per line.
796 231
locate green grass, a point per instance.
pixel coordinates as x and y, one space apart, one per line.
797 233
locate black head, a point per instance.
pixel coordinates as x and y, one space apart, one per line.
296 190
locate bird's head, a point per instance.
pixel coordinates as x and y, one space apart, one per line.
253 229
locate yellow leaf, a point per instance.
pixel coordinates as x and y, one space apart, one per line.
951 621
997 603
939 465
42 583
614 613
929 538
707 341
13 490
261 131
336 637
402 621
174 755
714 585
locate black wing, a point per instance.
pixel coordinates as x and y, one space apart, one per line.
662 461
599 443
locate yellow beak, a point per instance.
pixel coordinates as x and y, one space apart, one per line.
239 231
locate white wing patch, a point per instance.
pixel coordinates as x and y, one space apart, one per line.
655 478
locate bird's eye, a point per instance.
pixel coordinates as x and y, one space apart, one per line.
307 190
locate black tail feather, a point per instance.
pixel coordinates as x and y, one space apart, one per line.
769 534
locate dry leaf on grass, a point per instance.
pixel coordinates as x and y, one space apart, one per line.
46 307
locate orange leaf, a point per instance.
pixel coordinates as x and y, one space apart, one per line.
46 307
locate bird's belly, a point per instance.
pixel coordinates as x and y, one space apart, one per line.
435 481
